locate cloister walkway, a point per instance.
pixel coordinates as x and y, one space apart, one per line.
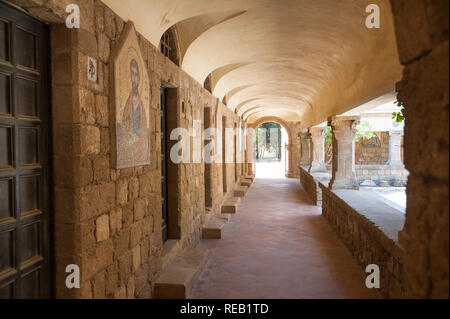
279 246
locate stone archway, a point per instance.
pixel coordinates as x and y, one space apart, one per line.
293 130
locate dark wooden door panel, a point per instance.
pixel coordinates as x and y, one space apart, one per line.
164 159
24 165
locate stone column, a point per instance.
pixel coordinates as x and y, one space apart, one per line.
317 149
305 140
395 147
344 174
250 152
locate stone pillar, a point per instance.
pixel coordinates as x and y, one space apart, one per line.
305 140
250 152
317 149
344 174
395 149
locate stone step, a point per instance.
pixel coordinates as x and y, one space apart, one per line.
226 216
214 226
240 191
176 282
246 183
250 177
230 206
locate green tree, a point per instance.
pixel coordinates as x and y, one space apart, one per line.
364 130
398 116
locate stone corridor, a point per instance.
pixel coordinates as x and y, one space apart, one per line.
279 246
135 138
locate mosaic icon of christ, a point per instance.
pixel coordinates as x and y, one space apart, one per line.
133 133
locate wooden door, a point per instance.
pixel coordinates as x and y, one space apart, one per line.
24 160
164 170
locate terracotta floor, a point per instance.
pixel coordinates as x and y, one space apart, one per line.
279 246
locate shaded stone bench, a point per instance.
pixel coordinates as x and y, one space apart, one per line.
213 227
246 183
230 206
240 191
177 280
369 228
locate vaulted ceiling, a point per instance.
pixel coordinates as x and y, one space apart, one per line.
301 60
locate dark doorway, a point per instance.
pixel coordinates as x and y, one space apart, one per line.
170 109
164 163
24 156
224 157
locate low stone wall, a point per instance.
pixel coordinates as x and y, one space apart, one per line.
369 228
310 182
381 175
309 185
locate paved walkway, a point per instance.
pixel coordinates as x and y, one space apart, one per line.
278 246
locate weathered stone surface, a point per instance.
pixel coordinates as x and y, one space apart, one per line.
317 149
240 191
369 228
343 129
310 183
213 228
115 215
177 281
102 228
422 38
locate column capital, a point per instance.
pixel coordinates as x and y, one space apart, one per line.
305 135
317 130
343 120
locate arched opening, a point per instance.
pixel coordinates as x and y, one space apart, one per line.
271 155
169 45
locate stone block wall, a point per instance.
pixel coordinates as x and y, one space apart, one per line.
422 28
310 183
108 221
382 175
215 194
367 243
374 151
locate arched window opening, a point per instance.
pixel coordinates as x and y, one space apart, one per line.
207 83
169 45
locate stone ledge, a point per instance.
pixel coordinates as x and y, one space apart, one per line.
176 282
246 183
213 228
250 177
384 218
170 250
310 182
230 206
240 191
369 228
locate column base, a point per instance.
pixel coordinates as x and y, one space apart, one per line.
343 184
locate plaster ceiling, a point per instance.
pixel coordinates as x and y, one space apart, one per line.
301 60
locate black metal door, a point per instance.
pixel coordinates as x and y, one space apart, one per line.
24 166
164 159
